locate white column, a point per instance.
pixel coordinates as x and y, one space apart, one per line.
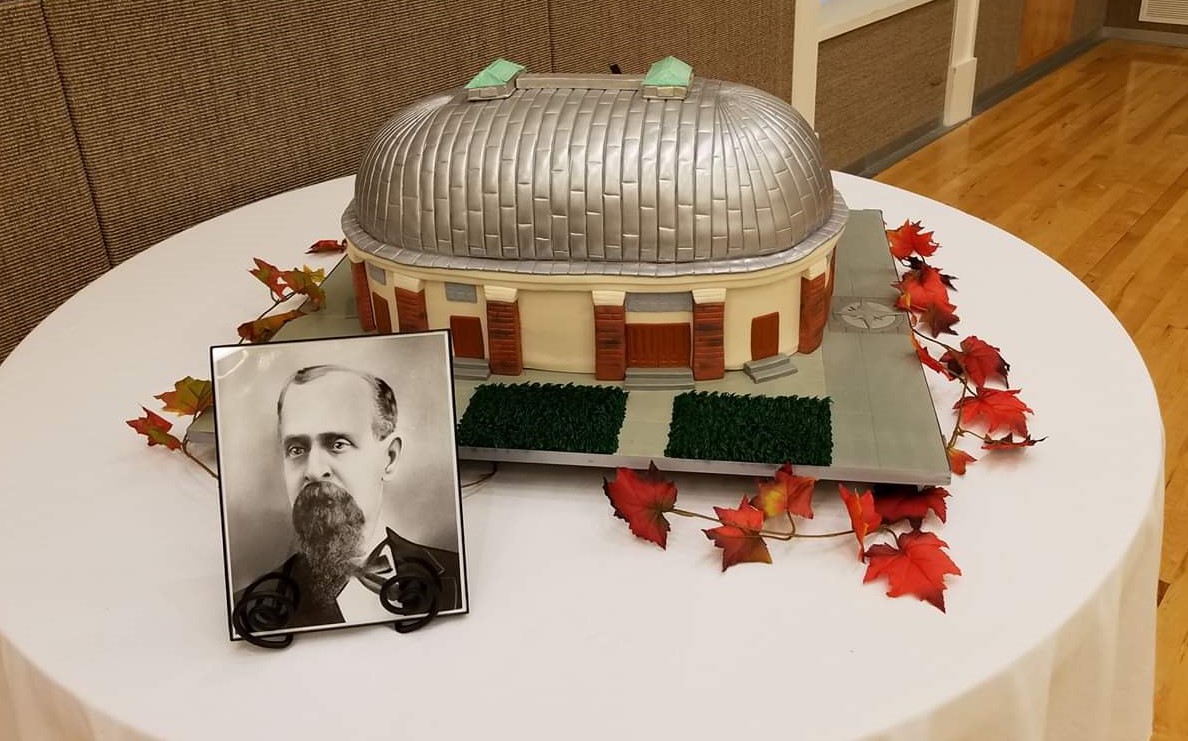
963 65
805 41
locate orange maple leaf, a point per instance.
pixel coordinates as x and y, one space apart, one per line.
916 565
910 239
787 492
738 535
997 408
156 429
978 361
190 396
641 502
269 275
958 460
905 502
263 329
308 282
326 245
863 516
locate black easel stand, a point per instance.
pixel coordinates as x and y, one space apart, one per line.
267 604
270 602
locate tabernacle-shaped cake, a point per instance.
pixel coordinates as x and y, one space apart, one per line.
598 223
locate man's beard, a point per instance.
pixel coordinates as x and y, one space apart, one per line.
329 527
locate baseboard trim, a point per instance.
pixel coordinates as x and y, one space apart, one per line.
1163 38
991 97
883 157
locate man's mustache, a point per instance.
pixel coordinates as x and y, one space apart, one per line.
323 509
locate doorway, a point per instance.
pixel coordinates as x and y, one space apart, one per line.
765 336
467 334
659 345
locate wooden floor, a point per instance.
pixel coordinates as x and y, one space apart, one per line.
1090 165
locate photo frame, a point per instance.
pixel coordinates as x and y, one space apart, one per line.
339 487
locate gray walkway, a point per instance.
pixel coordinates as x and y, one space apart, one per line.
883 414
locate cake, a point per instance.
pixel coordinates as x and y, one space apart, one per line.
598 223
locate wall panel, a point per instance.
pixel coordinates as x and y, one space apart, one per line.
50 245
881 83
186 110
1000 23
1088 18
737 40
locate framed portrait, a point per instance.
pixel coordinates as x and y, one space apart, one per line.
339 486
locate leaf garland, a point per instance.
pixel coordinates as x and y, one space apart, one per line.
193 397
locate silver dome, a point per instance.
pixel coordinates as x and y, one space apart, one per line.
592 177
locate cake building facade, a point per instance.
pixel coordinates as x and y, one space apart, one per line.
598 223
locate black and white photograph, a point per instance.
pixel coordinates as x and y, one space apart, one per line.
338 470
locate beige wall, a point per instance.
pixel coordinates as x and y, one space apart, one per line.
440 309
744 304
557 330
557 320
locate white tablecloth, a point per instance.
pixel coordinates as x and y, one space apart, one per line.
113 625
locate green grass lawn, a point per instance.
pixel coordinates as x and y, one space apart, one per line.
544 416
758 429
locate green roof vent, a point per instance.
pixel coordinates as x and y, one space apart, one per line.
668 78
497 80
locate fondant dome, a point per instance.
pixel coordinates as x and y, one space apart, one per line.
592 176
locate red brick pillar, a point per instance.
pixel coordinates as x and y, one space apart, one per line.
610 343
362 296
709 312
610 335
504 351
410 310
814 310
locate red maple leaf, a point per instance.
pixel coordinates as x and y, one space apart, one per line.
863 516
641 501
905 502
156 429
909 239
915 263
190 396
269 275
997 408
923 286
1008 442
916 565
958 460
738 535
978 361
263 329
787 492
326 245
929 361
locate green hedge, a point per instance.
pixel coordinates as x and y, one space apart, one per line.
544 416
761 429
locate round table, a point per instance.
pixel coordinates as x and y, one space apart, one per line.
113 622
